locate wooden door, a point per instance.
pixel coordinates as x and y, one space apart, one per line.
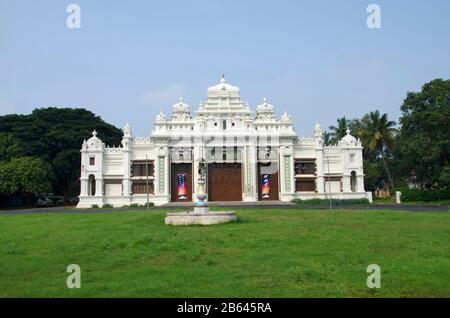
224 182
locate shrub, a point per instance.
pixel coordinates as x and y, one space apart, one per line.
134 205
94 206
145 204
107 206
419 195
333 201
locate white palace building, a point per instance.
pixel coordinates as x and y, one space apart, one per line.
248 157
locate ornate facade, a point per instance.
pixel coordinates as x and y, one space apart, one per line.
249 157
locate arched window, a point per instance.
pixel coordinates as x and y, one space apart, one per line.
224 125
353 181
91 185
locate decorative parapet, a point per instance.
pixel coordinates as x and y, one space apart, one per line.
332 148
307 140
112 150
142 140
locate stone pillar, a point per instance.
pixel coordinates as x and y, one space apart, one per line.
249 166
99 187
84 186
196 156
398 196
320 162
360 183
162 171
126 182
346 184
167 173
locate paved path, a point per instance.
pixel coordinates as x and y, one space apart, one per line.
239 205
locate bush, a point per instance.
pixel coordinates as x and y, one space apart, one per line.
134 205
419 195
94 206
107 206
145 204
333 201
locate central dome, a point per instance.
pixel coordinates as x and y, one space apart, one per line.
223 89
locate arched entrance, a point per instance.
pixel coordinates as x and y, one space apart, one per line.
91 189
353 181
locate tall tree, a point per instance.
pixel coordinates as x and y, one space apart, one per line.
10 146
24 174
338 132
377 135
425 133
55 135
326 138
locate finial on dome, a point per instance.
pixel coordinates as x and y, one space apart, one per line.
222 79
264 100
94 133
348 131
180 100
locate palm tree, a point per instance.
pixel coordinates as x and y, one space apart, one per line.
338 132
326 138
378 136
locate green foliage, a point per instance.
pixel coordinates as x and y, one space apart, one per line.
340 131
377 133
107 206
55 135
419 195
134 205
444 179
24 174
10 146
425 133
333 201
94 206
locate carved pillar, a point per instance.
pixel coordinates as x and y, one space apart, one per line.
320 162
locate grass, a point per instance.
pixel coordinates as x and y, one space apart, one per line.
267 253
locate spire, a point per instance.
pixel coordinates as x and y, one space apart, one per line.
127 130
94 133
348 131
222 79
318 131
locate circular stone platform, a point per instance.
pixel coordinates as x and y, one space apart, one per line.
200 218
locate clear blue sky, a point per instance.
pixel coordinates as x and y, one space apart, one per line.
315 59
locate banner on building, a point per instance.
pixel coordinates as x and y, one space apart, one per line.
182 190
265 186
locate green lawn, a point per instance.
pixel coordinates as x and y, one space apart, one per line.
268 253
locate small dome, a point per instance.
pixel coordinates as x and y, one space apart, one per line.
265 107
286 118
181 107
223 88
348 139
161 117
94 141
